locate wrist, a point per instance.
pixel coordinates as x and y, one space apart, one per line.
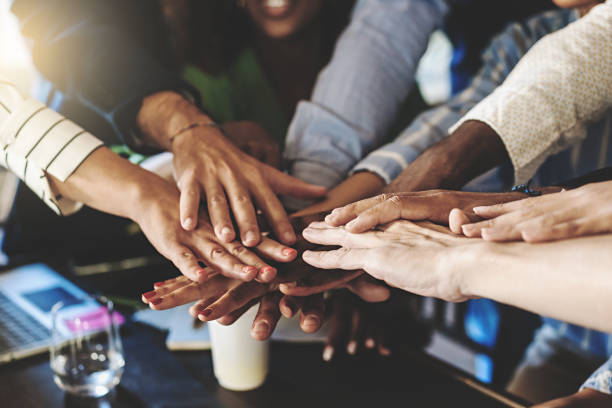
165 114
145 188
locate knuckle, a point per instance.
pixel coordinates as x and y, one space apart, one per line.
242 199
238 250
216 252
216 200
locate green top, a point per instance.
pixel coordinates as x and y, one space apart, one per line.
240 93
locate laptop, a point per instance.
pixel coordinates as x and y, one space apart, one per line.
27 295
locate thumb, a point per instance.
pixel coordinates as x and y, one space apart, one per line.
285 184
457 218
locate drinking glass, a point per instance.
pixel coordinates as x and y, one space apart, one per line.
86 351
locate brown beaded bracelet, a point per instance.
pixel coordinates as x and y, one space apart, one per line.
192 126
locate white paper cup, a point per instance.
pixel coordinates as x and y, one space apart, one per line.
240 362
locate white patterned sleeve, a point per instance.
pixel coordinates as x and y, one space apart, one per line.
36 141
561 85
601 380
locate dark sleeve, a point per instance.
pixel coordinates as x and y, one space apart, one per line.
105 56
596 176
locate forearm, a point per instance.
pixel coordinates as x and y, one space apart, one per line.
568 280
470 151
109 183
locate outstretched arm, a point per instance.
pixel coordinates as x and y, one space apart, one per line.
567 280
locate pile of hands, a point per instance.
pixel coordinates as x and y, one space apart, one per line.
401 240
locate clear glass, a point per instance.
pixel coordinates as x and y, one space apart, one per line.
86 351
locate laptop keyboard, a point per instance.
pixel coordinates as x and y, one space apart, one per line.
18 329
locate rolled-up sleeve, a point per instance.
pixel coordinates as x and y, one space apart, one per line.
36 141
357 96
558 88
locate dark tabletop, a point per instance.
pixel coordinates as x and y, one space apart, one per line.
155 377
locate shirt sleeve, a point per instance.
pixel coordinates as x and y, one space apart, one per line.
358 94
104 57
601 380
562 84
498 59
36 141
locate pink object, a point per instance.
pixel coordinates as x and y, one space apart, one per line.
93 321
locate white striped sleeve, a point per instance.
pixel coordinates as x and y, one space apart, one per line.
36 141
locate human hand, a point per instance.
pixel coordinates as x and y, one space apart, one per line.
432 205
586 210
208 164
253 139
587 398
403 254
155 212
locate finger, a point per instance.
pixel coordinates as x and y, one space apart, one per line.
284 184
186 262
496 210
506 231
359 321
323 234
263 271
197 309
275 251
267 316
382 213
313 311
369 289
243 210
162 299
338 325
290 305
218 210
189 202
218 257
169 286
275 213
370 337
237 314
342 215
318 282
570 229
343 258
382 340
456 219
234 299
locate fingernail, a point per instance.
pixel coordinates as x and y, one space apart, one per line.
206 312
351 348
226 233
289 236
477 209
311 322
261 328
288 252
328 353
150 294
247 270
369 343
188 223
351 224
268 271
287 286
384 351
158 284
250 238
157 301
